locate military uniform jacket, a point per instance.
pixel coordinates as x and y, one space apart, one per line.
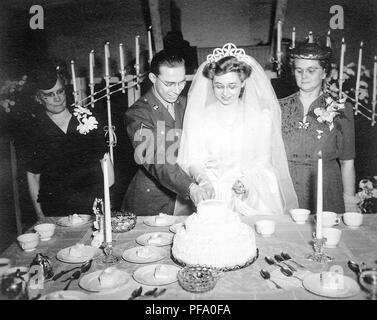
155 136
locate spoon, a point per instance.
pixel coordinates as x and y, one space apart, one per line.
289 273
74 276
271 262
84 268
279 258
286 256
266 275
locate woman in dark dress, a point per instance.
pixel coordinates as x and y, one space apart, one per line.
64 172
307 131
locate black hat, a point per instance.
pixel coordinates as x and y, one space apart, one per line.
312 51
45 76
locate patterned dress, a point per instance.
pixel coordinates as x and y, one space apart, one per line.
304 140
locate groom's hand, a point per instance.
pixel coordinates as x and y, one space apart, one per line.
197 194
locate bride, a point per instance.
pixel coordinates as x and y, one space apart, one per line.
231 142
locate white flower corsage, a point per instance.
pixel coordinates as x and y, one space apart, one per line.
87 122
331 110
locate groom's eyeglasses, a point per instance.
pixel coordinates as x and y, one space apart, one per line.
171 85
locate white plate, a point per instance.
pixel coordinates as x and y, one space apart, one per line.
157 254
89 253
312 283
168 221
174 228
165 239
90 281
65 295
64 222
145 275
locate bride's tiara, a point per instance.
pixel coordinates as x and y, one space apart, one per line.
228 49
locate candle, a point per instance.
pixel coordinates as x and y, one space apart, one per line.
374 97
107 57
121 57
74 80
106 190
328 39
279 40
311 39
319 197
137 49
91 67
293 37
150 44
358 77
341 66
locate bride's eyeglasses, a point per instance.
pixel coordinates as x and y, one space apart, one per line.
171 85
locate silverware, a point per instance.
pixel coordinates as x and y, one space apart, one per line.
271 262
279 258
159 293
136 293
289 273
286 256
355 267
84 268
266 275
73 277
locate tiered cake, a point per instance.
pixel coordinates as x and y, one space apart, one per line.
214 236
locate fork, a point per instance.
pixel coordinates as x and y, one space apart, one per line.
73 277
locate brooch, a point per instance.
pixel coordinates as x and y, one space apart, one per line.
303 125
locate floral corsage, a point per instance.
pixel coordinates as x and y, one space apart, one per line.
330 111
368 195
87 121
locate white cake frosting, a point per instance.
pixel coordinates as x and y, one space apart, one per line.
331 280
75 219
77 251
109 277
214 236
161 272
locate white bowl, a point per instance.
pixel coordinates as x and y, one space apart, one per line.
353 219
299 215
28 241
265 227
45 230
4 265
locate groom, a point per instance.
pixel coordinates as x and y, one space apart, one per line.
154 124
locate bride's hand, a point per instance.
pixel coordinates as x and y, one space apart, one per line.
209 189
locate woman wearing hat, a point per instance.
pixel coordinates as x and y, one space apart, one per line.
314 125
64 173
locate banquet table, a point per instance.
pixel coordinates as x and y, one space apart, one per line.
244 284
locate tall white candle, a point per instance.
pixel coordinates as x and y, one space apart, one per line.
106 190
107 57
137 49
328 39
319 197
75 93
150 44
341 66
358 76
311 38
279 40
293 37
91 67
374 97
121 57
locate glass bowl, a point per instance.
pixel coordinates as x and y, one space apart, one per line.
197 278
122 221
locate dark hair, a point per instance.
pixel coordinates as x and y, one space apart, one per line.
167 57
226 65
45 77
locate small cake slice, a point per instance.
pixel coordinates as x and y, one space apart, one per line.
76 251
332 280
155 238
75 219
144 252
161 272
161 218
109 277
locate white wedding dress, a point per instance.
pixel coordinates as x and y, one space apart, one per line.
222 144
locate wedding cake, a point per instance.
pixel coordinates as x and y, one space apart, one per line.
214 236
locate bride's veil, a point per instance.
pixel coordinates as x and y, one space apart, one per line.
258 95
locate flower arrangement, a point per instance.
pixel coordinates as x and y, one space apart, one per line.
87 121
10 92
368 194
349 78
